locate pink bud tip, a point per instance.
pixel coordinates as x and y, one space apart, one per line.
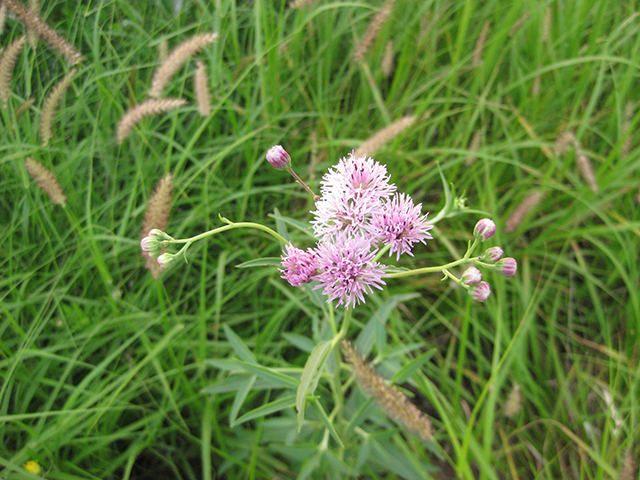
492 255
484 229
471 276
507 267
278 157
480 292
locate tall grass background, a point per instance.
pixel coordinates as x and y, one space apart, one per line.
108 372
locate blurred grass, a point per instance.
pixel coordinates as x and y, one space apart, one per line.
103 368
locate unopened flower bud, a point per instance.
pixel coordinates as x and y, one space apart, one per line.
471 276
493 254
278 157
507 267
152 244
165 259
484 229
480 292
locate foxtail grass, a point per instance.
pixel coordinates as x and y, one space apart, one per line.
384 136
51 104
201 87
46 180
176 60
392 401
372 31
142 110
34 23
7 64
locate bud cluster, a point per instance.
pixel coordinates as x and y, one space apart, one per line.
471 278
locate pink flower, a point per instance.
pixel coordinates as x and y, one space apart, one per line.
299 266
484 229
401 224
480 292
507 267
278 157
471 276
347 270
492 254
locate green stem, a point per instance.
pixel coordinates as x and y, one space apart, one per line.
231 226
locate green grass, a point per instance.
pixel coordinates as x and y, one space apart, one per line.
108 373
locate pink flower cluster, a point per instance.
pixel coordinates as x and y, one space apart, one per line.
358 212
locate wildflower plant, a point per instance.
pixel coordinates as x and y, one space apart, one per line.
360 218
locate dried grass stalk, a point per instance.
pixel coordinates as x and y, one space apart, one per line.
387 60
474 145
546 25
522 210
46 180
145 109
586 169
201 85
630 468
514 402
35 23
176 60
7 63
32 34
372 31
3 17
391 400
519 23
628 115
157 216
479 48
298 4
384 136
51 104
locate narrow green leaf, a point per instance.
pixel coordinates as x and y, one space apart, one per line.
268 408
302 343
238 345
239 399
324 418
278 380
262 262
311 375
374 331
406 372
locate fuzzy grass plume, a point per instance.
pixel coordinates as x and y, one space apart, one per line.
145 109
51 104
157 216
7 63
176 60
372 31
384 136
201 85
390 399
522 210
35 24
46 180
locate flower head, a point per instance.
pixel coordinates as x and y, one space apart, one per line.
484 229
278 157
480 292
492 254
401 224
347 269
507 267
352 193
471 276
299 266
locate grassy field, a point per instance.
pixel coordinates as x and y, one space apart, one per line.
528 109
